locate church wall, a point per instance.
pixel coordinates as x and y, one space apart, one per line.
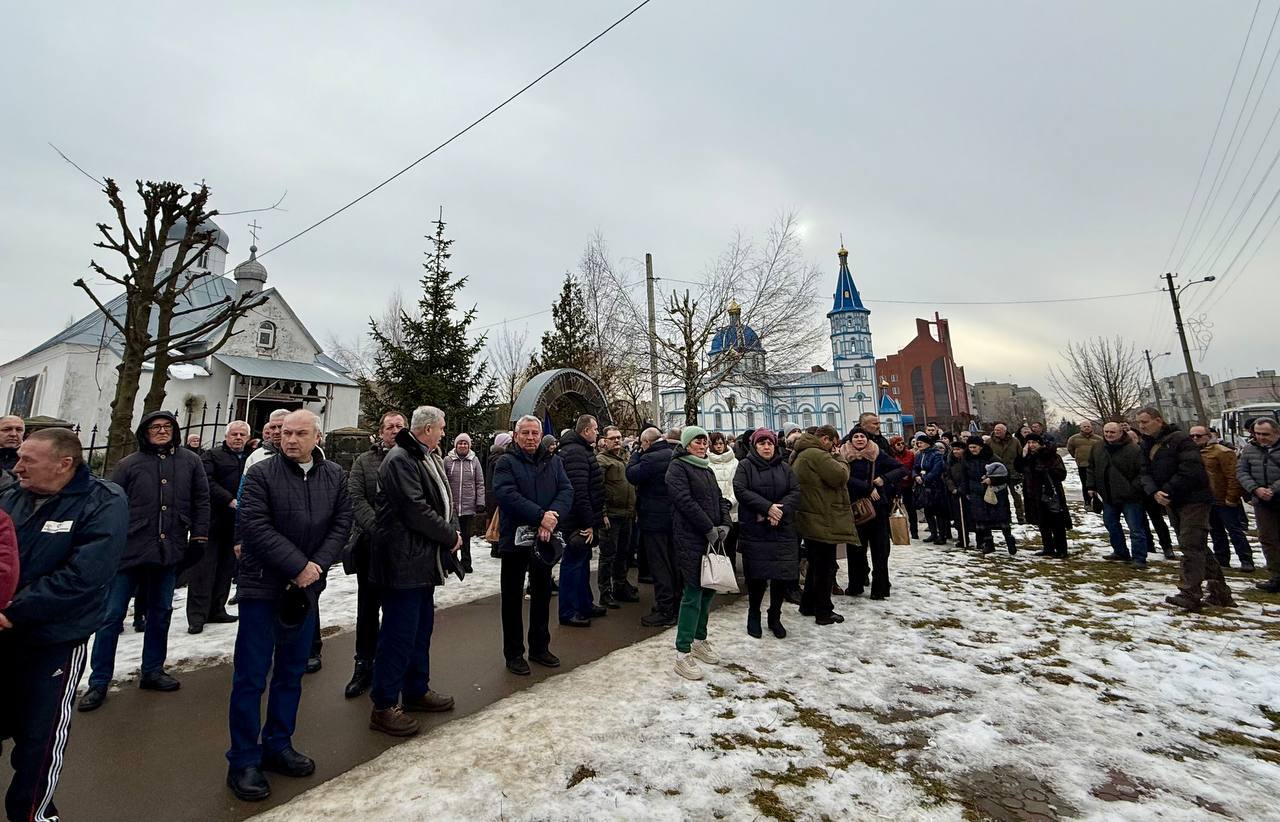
291 340
50 366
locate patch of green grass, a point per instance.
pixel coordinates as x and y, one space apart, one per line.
731 742
744 675
1260 747
1272 715
770 806
941 622
792 776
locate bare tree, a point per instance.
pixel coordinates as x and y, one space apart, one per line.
169 294
1099 379
776 289
604 302
356 353
509 353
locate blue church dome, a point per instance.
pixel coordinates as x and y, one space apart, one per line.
735 336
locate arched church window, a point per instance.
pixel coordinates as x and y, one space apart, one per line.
719 423
807 420
266 334
831 418
857 372
751 419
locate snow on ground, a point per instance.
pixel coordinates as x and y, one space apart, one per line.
999 687
214 645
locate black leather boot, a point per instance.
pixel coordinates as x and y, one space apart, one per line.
360 680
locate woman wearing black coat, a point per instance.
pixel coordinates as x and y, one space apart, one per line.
768 496
985 517
699 517
1046 502
874 475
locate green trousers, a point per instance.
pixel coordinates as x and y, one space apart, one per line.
695 608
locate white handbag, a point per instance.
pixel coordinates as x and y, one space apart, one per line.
717 570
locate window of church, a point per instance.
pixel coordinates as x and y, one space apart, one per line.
831 418
719 423
751 419
266 334
808 420
857 372
204 260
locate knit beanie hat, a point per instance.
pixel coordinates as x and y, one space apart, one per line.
502 439
764 434
997 469
690 433
463 437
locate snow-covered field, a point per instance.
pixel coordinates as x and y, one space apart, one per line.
214 645
999 687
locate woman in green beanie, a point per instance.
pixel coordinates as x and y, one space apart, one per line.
699 516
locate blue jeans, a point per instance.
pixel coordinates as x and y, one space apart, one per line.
575 579
1227 527
402 664
157 584
1135 516
262 647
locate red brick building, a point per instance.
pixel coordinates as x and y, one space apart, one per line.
925 380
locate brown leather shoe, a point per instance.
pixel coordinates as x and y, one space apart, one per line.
431 702
393 722
1219 595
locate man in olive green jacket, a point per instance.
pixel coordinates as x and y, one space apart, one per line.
1079 446
824 520
619 510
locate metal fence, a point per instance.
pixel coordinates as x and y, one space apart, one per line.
210 430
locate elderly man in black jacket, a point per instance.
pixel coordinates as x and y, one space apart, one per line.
532 491
1114 477
71 532
295 517
168 507
362 483
582 526
209 580
1173 474
415 541
647 471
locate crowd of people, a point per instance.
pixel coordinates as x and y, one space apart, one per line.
276 516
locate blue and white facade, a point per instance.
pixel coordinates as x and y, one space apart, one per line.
836 397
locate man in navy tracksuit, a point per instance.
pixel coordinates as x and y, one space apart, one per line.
71 531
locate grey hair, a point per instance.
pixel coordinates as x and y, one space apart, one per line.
648 435
529 418
315 419
425 416
239 422
279 414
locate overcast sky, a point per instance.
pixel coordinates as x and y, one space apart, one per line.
967 151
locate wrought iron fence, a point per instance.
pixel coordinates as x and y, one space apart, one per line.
210 431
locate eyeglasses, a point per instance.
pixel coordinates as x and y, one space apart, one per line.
160 426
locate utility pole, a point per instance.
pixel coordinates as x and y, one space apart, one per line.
653 342
1201 417
1151 372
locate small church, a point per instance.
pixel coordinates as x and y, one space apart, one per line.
816 397
272 361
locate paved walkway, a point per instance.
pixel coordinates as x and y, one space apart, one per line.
146 755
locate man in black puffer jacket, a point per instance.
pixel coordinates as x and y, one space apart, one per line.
581 528
295 517
1173 474
209 581
168 507
647 471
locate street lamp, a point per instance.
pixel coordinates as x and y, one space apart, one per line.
1155 387
1174 294
732 402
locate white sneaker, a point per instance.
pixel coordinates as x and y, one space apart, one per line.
687 667
705 651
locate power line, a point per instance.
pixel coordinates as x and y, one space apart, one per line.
1212 142
1013 302
1224 165
473 124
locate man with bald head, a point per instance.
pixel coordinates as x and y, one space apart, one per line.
11 430
209 580
295 516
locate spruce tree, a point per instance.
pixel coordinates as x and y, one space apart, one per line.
568 343
436 364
